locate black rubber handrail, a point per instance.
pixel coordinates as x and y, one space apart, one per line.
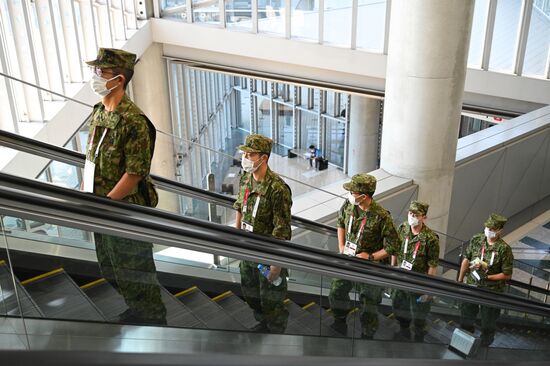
49 203
50 151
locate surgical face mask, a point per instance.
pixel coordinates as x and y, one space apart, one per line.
248 165
354 201
99 85
413 221
490 234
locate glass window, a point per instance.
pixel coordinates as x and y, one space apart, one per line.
335 137
285 125
505 35
330 103
477 38
243 109
176 9
304 96
238 14
264 116
206 11
343 105
337 22
538 41
271 16
371 24
305 19
309 129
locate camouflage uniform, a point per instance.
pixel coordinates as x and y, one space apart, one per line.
128 147
273 219
378 226
406 303
502 263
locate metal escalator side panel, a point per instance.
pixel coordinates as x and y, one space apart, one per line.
178 314
237 307
8 299
105 298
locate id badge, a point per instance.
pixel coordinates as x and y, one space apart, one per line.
350 248
247 227
476 275
406 265
89 172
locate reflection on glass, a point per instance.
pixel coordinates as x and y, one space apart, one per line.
264 116
337 23
371 23
238 14
538 44
206 11
505 35
477 38
271 16
305 19
309 126
242 99
285 125
335 141
176 9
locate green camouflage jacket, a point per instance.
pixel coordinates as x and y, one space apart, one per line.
502 262
273 215
379 231
428 250
127 148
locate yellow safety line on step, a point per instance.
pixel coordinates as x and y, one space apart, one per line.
93 283
305 307
221 296
2 262
185 291
286 301
44 275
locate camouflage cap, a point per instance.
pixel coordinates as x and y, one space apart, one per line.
419 208
111 58
495 221
257 143
362 183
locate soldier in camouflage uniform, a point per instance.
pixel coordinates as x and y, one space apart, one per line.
419 252
364 227
121 142
488 261
263 207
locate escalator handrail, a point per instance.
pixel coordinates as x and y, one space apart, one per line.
50 151
49 203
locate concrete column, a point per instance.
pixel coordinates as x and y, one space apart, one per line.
150 92
426 69
363 135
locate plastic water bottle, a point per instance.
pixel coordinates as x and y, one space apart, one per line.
422 299
264 270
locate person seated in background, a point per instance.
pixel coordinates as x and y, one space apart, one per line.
313 154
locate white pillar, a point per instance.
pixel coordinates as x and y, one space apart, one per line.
426 69
150 93
363 136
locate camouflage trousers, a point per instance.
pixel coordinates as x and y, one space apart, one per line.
369 297
406 308
129 267
489 317
264 298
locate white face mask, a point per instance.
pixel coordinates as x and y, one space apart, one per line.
354 201
490 234
248 165
99 85
413 221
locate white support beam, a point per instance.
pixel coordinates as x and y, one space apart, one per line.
189 11
354 11
57 47
254 16
77 36
222 13
387 26
12 109
110 21
521 44
489 29
288 18
321 21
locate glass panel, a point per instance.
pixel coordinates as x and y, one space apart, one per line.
477 38
264 116
337 24
330 103
371 24
271 16
335 137
538 44
503 49
305 19
206 11
309 124
176 9
285 117
238 14
243 109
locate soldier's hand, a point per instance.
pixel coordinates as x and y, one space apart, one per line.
363 255
274 272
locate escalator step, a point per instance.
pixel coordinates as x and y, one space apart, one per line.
210 313
59 297
8 298
112 304
237 307
306 322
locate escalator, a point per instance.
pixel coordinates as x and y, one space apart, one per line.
64 309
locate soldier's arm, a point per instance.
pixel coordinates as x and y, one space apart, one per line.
433 255
464 267
341 228
341 239
239 204
238 219
137 147
507 267
391 240
124 186
282 202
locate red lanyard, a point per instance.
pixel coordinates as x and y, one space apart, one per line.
361 228
416 249
482 251
245 199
